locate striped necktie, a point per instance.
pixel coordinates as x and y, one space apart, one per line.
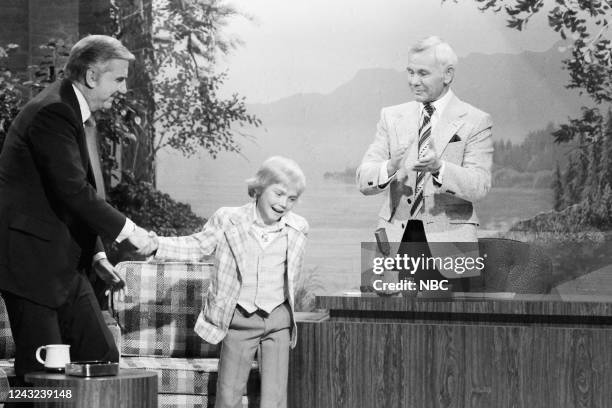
424 135
91 140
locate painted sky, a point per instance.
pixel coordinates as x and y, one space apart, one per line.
299 46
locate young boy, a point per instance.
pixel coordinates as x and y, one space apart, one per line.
258 251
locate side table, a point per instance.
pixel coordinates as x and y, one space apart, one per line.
128 389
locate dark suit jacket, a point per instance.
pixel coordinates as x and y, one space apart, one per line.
50 214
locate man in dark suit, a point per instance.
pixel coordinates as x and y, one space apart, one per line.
52 210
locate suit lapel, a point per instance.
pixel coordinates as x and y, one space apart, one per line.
407 131
449 123
406 127
295 241
237 235
67 94
85 157
237 238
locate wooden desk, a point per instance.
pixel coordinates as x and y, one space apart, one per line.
128 389
527 352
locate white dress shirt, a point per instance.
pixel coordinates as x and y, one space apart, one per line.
129 226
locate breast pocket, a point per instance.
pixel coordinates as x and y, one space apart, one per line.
453 152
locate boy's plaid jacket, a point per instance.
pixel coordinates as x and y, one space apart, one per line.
225 235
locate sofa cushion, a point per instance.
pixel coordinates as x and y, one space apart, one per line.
7 347
6 364
159 313
185 375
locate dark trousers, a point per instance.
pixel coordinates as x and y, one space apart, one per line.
415 233
78 322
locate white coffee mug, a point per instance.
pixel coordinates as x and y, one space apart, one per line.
56 356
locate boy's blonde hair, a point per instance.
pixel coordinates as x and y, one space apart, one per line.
277 169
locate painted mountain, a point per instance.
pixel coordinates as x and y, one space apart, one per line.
329 132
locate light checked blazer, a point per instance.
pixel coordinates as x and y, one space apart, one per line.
462 139
225 235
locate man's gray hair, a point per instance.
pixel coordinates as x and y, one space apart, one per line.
94 49
443 52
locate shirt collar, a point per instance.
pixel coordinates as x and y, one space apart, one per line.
83 105
440 104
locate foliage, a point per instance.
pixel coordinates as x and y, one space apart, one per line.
585 23
192 117
119 126
588 125
189 112
154 210
50 66
557 187
10 95
582 193
588 174
572 191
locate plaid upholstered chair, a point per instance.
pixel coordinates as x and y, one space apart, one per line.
7 347
157 320
7 352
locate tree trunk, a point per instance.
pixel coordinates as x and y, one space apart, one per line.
135 25
94 17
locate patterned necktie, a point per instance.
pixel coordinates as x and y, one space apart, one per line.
94 156
424 134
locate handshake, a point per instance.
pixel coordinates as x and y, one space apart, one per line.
142 242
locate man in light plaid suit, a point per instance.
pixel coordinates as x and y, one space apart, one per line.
258 252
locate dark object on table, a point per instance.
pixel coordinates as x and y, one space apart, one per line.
92 368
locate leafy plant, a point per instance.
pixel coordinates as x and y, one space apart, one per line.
120 126
50 67
177 43
582 192
11 96
585 24
189 112
154 210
